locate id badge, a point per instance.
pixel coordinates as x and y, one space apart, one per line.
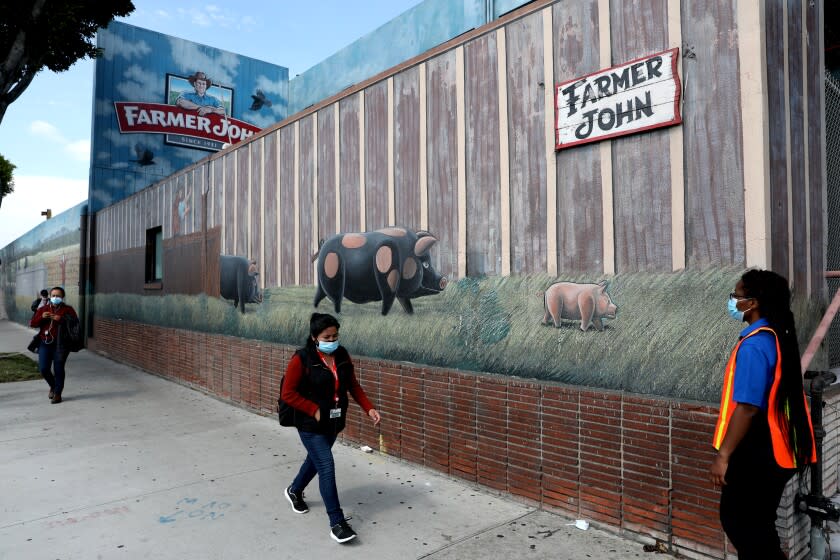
335 413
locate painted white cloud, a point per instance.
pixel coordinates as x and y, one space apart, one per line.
191 57
141 85
115 45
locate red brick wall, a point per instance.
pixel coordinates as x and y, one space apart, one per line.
632 463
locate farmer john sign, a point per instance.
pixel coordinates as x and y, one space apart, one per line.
196 115
640 95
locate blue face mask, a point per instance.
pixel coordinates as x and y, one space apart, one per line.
732 307
55 300
327 347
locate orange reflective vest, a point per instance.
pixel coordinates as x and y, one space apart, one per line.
785 456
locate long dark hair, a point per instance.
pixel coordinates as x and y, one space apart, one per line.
773 295
318 323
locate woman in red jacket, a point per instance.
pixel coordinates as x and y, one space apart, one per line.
316 384
53 351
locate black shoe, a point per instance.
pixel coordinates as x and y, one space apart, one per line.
296 499
341 532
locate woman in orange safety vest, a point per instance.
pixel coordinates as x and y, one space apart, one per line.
764 432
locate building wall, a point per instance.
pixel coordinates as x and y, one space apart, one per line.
628 463
461 137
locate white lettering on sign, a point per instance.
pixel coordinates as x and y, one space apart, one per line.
158 118
641 95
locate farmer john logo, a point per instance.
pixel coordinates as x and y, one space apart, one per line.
196 115
641 95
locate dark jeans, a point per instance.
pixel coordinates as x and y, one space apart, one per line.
48 360
319 460
750 498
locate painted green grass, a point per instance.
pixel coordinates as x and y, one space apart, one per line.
17 367
671 337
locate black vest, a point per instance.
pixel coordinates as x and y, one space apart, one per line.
317 384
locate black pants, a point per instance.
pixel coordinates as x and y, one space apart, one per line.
750 498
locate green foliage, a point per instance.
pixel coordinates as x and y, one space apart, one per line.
7 179
50 34
17 367
671 336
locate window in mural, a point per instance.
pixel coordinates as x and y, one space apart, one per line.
154 254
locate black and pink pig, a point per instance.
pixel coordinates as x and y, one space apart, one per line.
588 302
377 266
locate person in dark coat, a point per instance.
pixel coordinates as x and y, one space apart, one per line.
52 350
41 301
317 380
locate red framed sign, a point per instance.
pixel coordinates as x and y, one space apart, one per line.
639 95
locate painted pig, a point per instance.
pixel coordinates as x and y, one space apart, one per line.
383 265
236 283
588 302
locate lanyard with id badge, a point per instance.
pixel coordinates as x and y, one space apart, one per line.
334 412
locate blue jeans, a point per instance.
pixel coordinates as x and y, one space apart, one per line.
47 360
319 460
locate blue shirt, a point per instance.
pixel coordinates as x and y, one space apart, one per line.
202 100
755 367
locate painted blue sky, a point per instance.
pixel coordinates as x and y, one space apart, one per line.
46 132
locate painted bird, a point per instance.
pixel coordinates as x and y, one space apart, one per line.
259 101
144 156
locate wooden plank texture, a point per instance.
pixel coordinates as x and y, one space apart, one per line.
816 164
376 156
484 237
641 163
443 161
779 235
255 189
243 200
799 190
349 164
306 187
228 163
580 232
269 211
286 243
407 148
326 172
526 121
712 136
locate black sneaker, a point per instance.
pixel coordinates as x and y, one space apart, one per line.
296 499
341 532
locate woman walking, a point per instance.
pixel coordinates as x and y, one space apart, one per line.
316 384
764 433
51 322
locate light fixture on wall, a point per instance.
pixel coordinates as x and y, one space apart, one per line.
47 213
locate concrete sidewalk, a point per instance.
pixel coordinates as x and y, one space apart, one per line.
131 465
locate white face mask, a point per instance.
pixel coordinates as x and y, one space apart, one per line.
55 300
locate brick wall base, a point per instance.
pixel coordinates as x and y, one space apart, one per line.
631 464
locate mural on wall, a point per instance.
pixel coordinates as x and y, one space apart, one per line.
587 303
182 209
590 230
238 281
162 103
46 256
382 265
